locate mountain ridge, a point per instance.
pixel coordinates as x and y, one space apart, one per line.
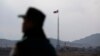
89 41
93 40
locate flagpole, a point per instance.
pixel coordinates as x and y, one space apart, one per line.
58 43
58 36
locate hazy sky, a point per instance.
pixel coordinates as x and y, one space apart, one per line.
78 18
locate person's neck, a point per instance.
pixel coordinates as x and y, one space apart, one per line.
34 33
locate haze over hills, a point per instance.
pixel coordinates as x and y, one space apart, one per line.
67 43
10 43
92 40
89 41
7 43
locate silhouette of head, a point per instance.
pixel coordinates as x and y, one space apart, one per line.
33 19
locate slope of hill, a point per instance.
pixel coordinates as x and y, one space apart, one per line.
7 43
10 43
93 40
66 43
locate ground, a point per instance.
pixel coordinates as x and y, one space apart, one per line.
5 52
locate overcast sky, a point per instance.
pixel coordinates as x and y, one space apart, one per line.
78 18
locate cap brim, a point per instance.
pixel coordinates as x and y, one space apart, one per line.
22 16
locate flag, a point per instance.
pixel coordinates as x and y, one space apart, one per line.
56 11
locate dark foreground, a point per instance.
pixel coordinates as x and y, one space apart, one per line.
6 51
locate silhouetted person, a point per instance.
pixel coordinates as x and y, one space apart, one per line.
34 42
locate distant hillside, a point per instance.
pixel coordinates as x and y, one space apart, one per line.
66 43
93 40
7 43
54 42
11 43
